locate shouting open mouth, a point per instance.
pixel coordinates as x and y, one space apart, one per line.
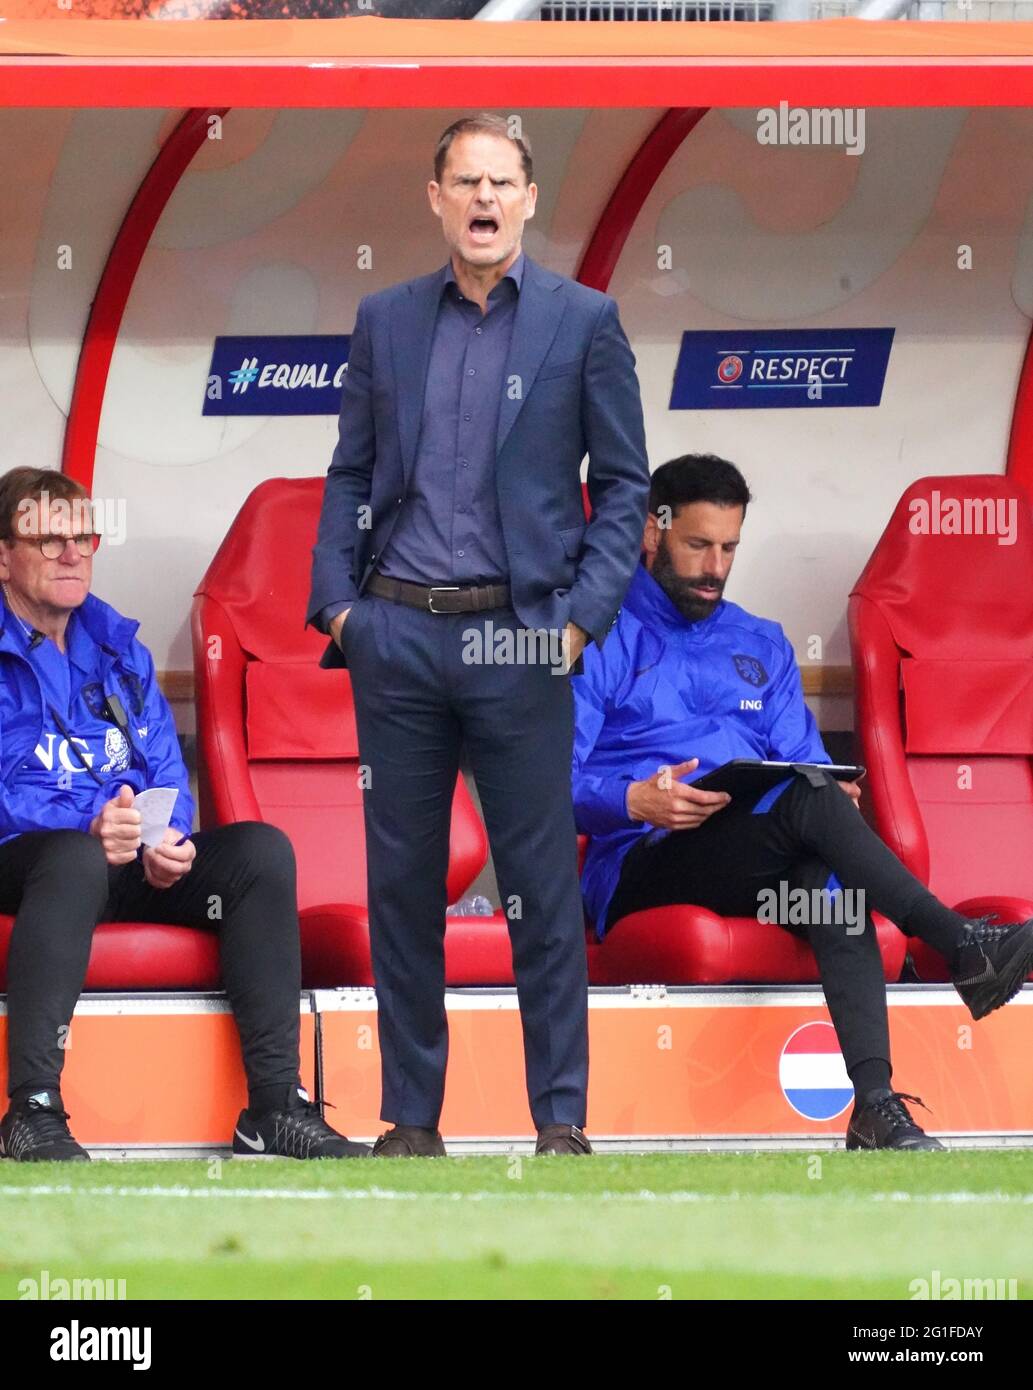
483 228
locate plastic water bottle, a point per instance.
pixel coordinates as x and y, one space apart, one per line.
477 906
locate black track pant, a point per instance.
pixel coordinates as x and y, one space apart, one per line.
241 885
736 863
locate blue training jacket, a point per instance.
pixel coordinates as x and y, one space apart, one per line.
105 658
663 690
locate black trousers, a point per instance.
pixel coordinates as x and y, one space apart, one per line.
241 885
810 832
418 700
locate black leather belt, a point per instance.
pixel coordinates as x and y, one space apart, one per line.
440 598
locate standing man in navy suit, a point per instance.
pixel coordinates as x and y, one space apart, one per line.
452 532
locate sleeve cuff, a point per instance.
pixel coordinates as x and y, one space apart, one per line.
327 614
603 807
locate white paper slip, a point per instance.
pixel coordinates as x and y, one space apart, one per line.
155 806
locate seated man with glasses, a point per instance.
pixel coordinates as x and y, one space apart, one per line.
84 728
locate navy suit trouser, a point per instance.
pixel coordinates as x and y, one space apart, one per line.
421 696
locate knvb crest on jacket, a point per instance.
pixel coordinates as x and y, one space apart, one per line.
750 669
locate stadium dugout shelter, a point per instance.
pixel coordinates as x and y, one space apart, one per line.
170 184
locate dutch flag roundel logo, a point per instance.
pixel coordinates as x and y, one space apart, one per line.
812 1073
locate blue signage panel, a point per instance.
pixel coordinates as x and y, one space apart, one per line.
770 369
285 375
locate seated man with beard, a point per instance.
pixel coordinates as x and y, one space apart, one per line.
685 683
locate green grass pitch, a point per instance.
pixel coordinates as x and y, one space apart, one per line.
762 1225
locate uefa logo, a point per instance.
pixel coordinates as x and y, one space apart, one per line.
729 369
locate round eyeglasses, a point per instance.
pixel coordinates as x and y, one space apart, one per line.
53 547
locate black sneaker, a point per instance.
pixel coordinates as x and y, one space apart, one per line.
37 1132
297 1131
883 1122
992 963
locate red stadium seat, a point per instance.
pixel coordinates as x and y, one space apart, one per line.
941 632
277 742
692 946
687 945
142 955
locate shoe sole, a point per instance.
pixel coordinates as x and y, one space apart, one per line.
408 1155
71 1158
859 1146
857 1142
317 1158
1011 979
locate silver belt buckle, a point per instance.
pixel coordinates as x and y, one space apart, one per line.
440 589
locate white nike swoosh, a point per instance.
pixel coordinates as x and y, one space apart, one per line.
257 1144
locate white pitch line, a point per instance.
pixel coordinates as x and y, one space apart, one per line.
380 1194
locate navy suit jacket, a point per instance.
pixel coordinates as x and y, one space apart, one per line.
569 389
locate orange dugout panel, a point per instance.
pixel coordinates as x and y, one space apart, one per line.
151 1075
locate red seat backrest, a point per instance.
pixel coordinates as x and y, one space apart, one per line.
941 630
276 733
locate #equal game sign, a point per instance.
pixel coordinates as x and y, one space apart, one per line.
812 1073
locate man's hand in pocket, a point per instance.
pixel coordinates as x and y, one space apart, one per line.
337 623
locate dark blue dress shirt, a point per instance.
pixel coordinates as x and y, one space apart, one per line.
448 531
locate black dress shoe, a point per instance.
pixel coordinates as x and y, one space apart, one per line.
883 1121
562 1139
992 963
409 1141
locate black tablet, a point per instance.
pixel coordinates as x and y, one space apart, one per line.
752 777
